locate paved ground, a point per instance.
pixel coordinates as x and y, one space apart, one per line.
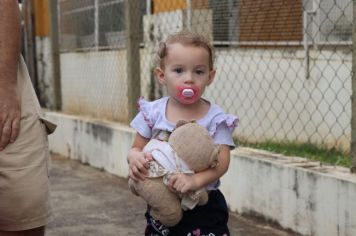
87 201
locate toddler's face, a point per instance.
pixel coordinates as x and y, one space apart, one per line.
186 72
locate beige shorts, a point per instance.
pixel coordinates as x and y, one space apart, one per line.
24 182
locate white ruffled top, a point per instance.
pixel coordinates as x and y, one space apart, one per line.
151 119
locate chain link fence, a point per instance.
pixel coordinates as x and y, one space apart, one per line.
93 58
283 66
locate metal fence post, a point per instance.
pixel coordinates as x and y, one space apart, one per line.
189 14
97 25
132 16
53 5
353 95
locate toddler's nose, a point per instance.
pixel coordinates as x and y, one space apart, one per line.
188 78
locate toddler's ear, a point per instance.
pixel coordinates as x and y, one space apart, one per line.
160 75
211 76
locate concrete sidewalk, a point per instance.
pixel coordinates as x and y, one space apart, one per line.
87 201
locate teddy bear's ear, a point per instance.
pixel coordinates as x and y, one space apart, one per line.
181 122
214 156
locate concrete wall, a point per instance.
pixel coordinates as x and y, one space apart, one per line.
297 194
100 144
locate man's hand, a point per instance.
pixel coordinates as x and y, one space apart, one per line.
10 114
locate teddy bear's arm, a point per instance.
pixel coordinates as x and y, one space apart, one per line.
210 175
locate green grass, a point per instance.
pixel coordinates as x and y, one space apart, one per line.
306 150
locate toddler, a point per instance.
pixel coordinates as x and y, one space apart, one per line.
185 67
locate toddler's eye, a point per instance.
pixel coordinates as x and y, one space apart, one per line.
199 72
178 70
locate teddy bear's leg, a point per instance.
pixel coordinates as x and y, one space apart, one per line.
171 215
132 187
203 198
165 205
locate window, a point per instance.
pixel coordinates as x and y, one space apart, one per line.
112 23
77 24
225 20
93 24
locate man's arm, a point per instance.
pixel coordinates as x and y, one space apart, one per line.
9 56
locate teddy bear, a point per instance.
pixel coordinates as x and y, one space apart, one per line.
189 149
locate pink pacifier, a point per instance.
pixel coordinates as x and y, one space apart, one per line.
188 94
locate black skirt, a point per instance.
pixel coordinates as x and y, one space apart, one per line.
210 219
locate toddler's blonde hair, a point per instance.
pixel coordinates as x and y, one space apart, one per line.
184 37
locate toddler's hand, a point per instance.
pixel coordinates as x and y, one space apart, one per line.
183 183
138 165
